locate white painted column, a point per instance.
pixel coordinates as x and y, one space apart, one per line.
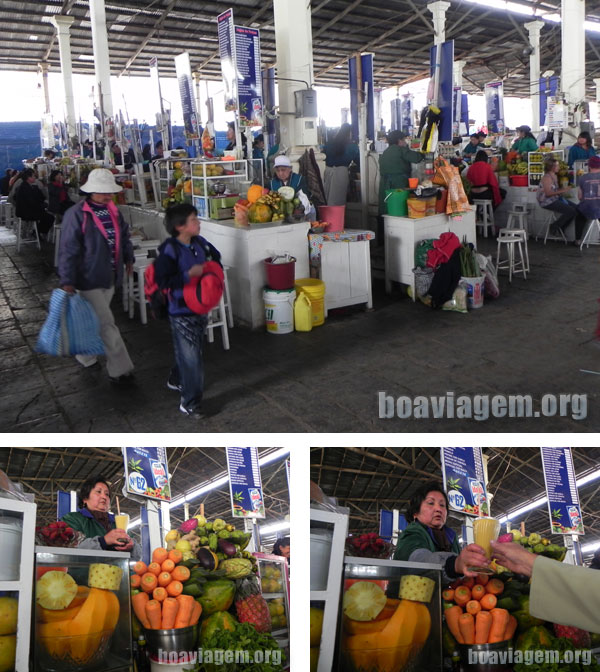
293 40
63 23
101 56
44 67
572 82
458 72
438 9
597 83
534 28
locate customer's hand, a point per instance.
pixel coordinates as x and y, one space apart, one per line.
471 556
69 289
118 538
514 557
196 270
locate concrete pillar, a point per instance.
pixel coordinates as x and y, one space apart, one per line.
63 23
293 41
101 56
458 72
597 83
44 67
572 82
534 28
438 9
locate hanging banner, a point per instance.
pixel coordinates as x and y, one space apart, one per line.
146 473
249 76
155 84
464 111
457 110
406 115
245 485
287 472
183 72
227 53
556 117
561 489
548 87
366 77
494 102
464 480
445 87
396 106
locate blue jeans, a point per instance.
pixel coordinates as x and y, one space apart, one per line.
188 371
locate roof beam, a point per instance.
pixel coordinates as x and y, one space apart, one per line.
337 17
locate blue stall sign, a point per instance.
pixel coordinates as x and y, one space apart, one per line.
249 76
464 480
561 490
227 53
147 473
245 483
494 101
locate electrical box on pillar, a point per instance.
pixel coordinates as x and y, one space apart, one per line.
306 103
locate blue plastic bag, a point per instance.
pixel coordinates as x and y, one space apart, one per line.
71 328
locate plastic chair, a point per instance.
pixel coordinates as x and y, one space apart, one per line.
22 230
553 217
594 225
485 210
511 238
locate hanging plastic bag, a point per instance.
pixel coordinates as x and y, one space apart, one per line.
71 328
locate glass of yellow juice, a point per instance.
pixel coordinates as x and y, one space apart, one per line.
122 521
485 530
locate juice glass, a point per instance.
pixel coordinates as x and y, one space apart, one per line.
485 530
122 521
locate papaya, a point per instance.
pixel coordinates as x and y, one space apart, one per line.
88 625
52 615
220 620
80 597
353 627
537 637
254 193
55 637
259 213
218 596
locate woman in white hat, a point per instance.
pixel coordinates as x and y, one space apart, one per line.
94 247
285 177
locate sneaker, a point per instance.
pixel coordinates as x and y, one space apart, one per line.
174 386
126 380
194 414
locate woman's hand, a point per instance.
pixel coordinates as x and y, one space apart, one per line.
69 289
196 270
119 538
471 556
514 557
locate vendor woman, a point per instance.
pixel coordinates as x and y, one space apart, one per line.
395 165
285 177
428 539
583 150
525 142
96 523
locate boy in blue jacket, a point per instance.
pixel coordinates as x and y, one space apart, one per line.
180 259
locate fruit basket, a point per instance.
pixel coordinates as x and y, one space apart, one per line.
58 534
369 545
75 653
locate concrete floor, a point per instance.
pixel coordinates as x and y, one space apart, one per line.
534 339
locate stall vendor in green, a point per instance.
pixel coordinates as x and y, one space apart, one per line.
98 525
428 539
395 165
525 142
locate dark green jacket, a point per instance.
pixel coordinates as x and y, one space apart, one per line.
394 170
524 145
84 522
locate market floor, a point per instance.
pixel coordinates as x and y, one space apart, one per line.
536 339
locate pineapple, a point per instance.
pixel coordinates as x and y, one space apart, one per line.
107 577
55 590
364 601
416 588
251 606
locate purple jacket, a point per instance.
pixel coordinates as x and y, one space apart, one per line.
84 257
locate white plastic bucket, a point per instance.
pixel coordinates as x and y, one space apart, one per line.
475 291
10 533
279 310
320 553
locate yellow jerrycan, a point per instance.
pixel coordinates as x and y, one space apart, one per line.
303 320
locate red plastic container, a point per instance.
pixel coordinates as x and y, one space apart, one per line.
441 201
519 180
280 276
334 215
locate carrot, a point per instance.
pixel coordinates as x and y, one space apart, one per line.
469 582
472 607
139 602
500 620
482 579
159 594
483 623
452 615
466 623
176 556
488 602
153 614
462 595
154 568
181 574
494 586
149 582
184 615
164 579
140 568
511 627
477 592
136 581
168 566
174 588
169 613
448 595
197 612
159 555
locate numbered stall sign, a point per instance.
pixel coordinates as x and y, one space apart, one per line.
147 473
464 480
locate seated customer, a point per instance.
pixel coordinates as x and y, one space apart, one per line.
473 147
589 191
484 180
58 197
550 197
583 150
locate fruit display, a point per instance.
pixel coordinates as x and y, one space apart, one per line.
369 545
316 631
8 628
277 611
271 206
535 543
250 606
270 578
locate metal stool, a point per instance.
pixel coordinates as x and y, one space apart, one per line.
217 318
135 289
22 239
511 238
227 299
594 225
484 208
517 220
553 217
522 234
